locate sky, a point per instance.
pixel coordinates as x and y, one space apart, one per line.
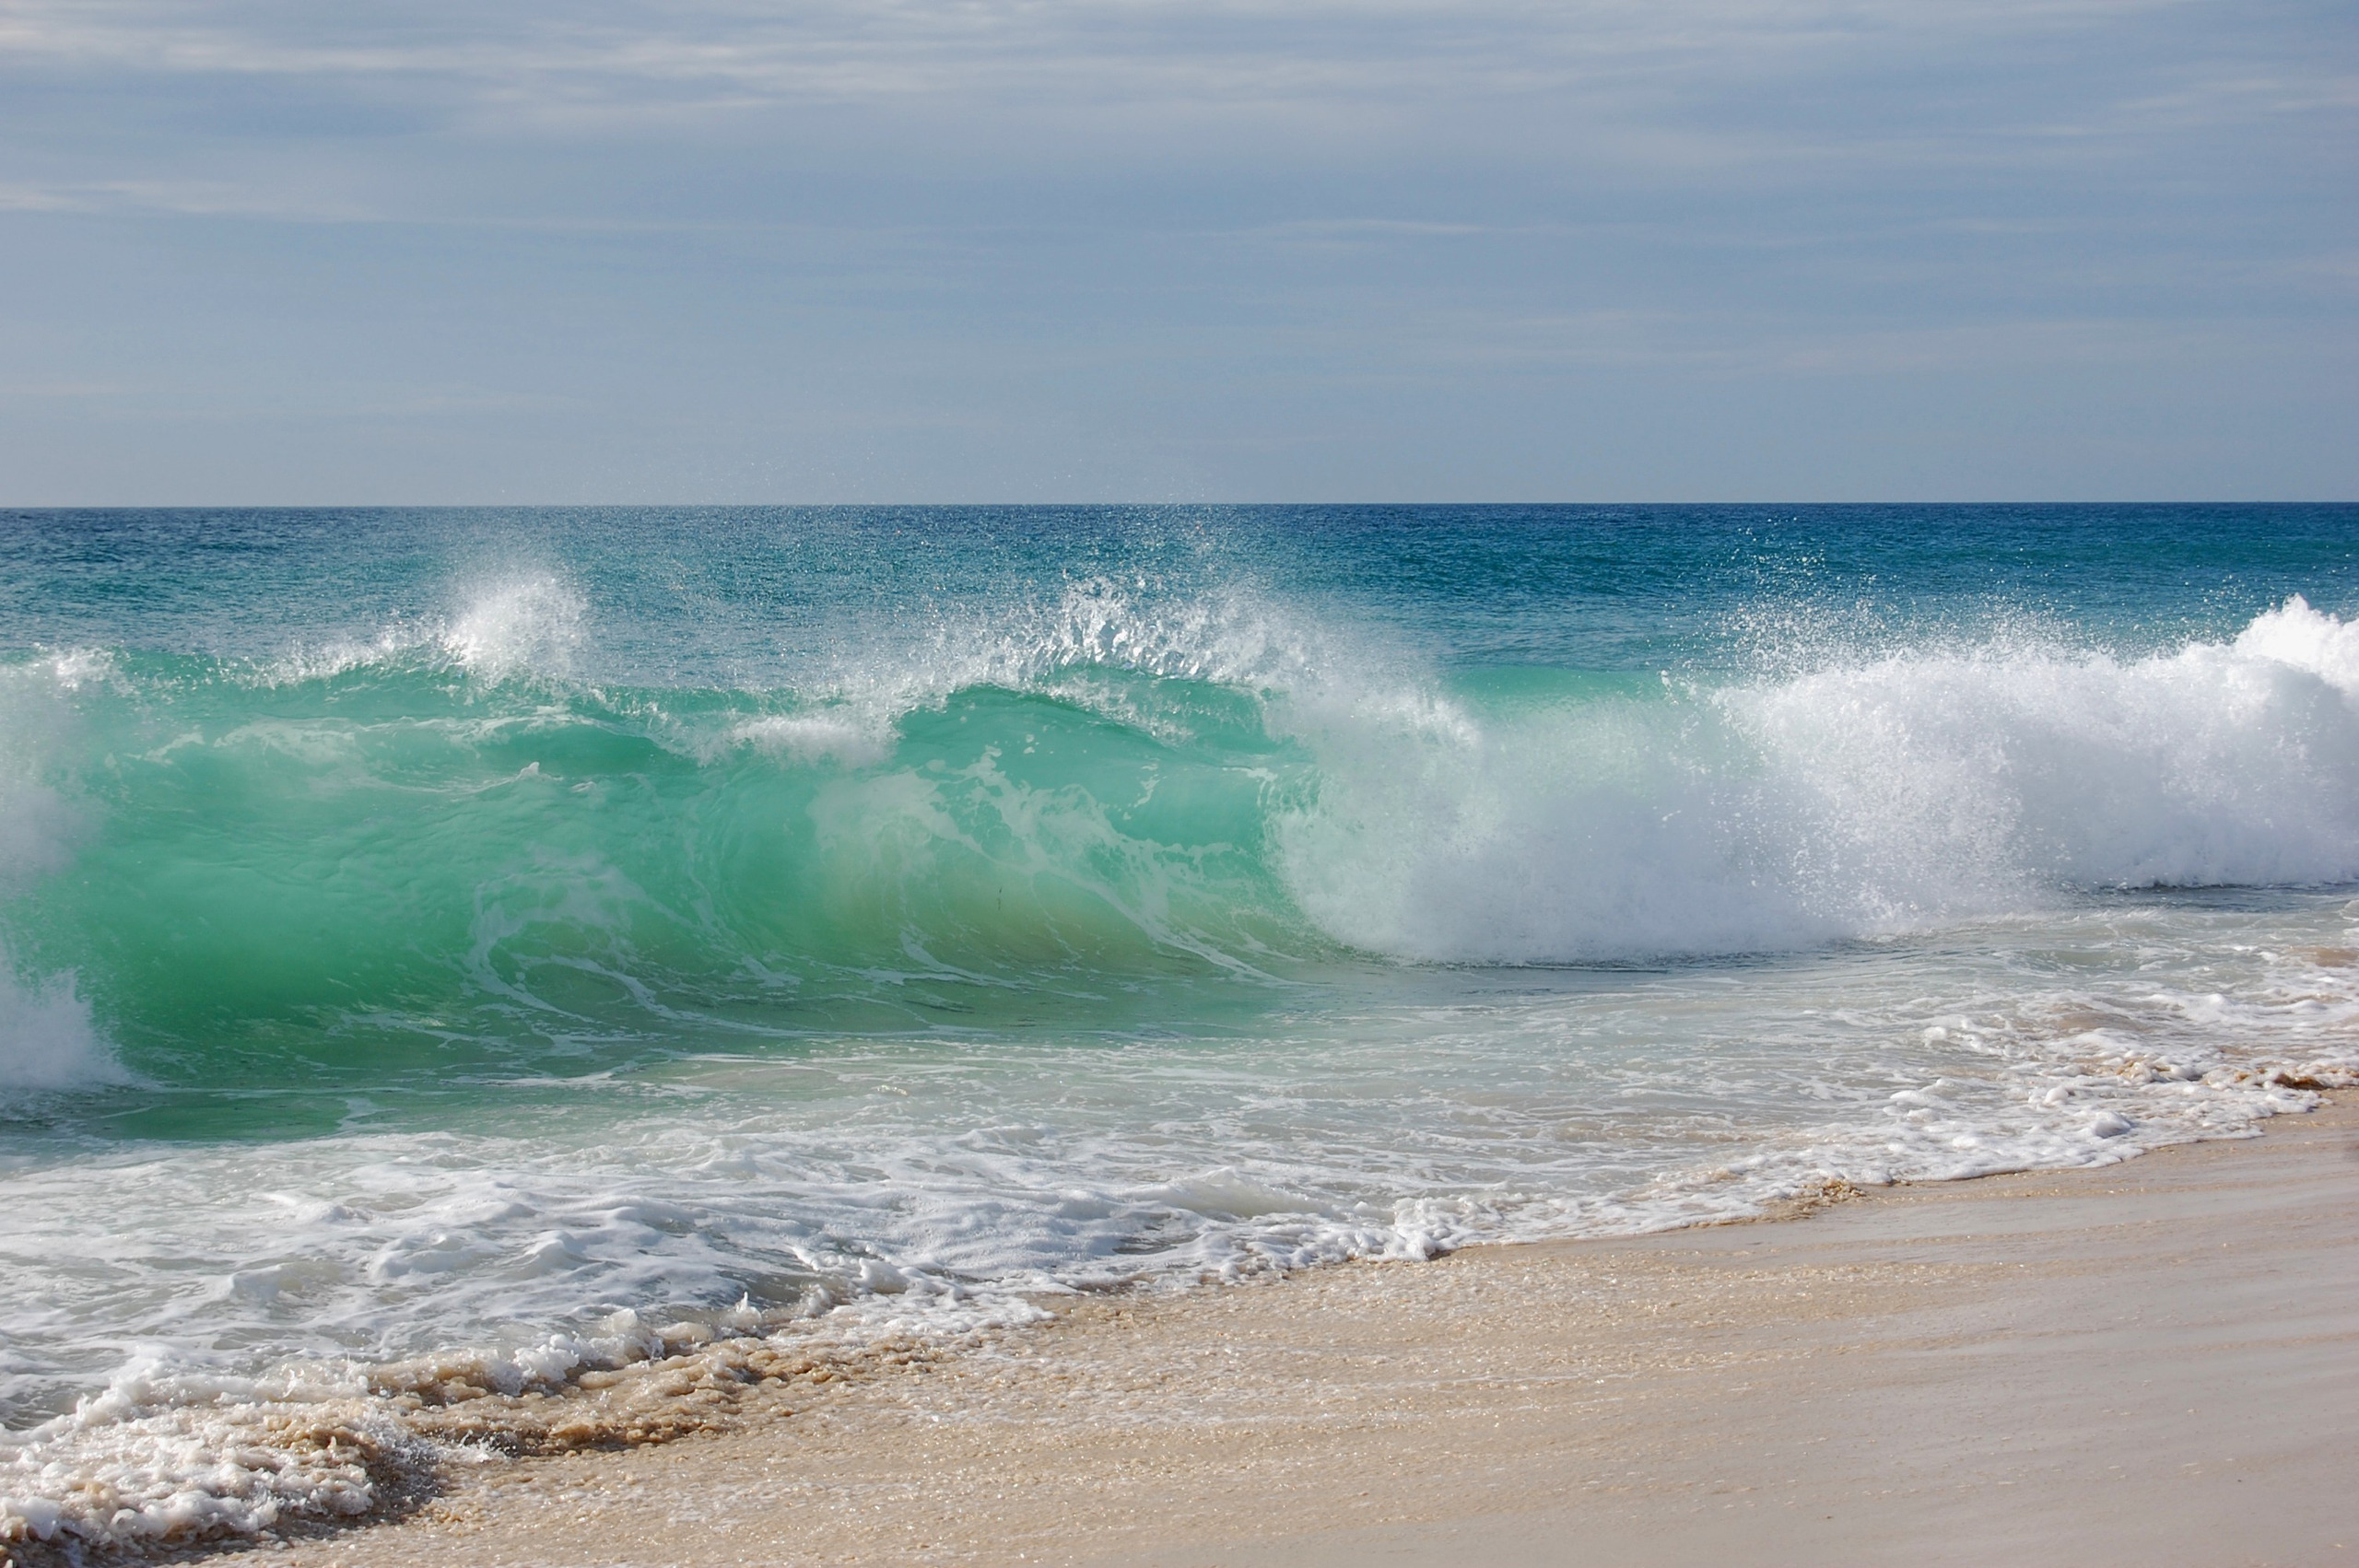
283 251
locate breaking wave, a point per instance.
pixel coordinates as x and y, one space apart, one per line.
1864 798
462 854
1099 788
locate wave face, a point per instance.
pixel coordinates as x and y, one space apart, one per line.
296 857
472 935
438 838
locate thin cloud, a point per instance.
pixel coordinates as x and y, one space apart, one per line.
657 228
1706 88
1088 48
192 197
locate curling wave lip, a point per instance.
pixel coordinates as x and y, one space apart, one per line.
671 942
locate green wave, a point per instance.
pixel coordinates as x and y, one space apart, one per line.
399 867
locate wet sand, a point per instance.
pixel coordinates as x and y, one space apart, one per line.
2156 1363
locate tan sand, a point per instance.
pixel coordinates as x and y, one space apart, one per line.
2149 1365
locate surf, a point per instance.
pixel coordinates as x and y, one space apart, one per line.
442 950
441 834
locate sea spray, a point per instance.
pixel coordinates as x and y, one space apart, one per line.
47 1038
1858 798
1105 812
447 953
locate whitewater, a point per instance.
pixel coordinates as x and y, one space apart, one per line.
463 950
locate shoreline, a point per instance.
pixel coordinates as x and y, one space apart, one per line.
2148 1363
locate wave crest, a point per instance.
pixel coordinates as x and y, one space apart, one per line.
1111 783
1858 800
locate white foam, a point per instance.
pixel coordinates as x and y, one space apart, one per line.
141 1464
2301 639
1861 799
937 1209
1855 794
925 1188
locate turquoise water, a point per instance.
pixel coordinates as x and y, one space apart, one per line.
438 933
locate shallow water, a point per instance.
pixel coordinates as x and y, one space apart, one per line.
491 933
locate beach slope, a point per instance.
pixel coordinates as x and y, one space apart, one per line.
2155 1363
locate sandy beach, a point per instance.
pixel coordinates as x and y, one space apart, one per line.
1137 784
2151 1364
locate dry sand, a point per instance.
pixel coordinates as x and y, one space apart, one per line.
2152 1364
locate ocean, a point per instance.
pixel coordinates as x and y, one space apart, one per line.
496 939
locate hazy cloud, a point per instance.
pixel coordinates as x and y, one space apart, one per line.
709 245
